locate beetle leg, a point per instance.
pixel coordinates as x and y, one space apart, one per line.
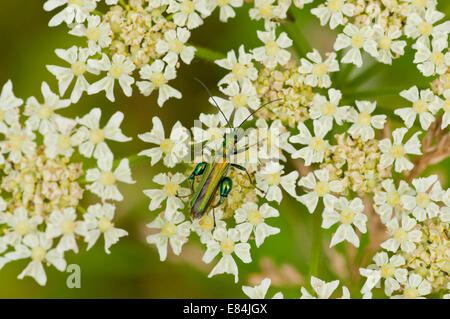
198 170
252 182
220 201
183 196
225 187
242 150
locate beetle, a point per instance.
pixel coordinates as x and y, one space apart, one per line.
214 174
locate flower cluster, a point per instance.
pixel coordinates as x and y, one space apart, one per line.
349 162
42 214
225 231
348 155
320 289
414 261
140 38
384 28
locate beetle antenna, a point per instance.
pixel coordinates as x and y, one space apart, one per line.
212 98
257 111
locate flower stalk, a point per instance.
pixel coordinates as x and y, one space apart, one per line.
208 54
316 247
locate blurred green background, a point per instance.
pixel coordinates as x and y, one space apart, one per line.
133 269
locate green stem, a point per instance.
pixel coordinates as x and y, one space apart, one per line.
208 54
294 31
316 247
97 13
123 4
344 74
359 80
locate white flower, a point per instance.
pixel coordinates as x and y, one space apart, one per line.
174 230
421 204
346 213
403 236
98 220
75 10
104 179
274 140
170 190
422 25
364 121
387 45
38 247
173 148
326 110
356 39
390 200
8 107
63 223
185 12
317 72
97 32
444 214
213 133
174 44
158 76
224 241
434 60
447 295
226 10
259 291
241 67
205 225
18 141
41 116
317 145
333 11
446 197
241 98
92 137
264 9
19 225
119 68
272 53
77 58
269 178
446 107
323 289
415 288
425 105
60 141
249 218
421 5
319 185
389 269
396 152
300 3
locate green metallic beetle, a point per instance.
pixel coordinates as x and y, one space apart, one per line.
214 178
214 175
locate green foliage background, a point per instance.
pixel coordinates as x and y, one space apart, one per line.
133 269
